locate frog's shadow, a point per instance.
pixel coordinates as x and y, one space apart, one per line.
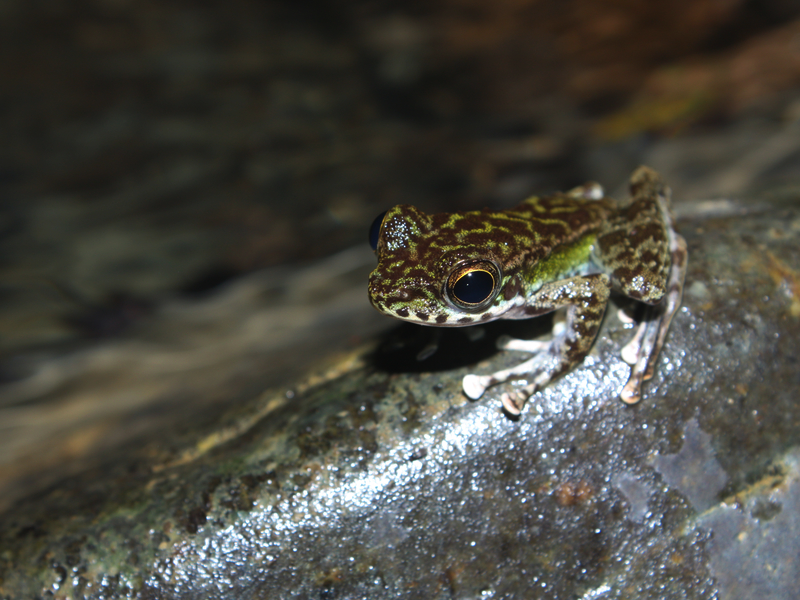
399 349
407 347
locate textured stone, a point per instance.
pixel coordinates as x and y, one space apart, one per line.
378 479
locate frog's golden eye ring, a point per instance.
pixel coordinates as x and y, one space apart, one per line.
375 230
472 286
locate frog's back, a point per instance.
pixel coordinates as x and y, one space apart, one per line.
562 218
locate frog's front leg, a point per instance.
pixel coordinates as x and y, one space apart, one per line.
585 298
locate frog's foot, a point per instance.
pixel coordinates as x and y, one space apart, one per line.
475 385
637 353
514 401
539 370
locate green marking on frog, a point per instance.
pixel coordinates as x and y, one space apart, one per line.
563 251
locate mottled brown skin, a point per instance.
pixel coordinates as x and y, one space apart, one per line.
564 251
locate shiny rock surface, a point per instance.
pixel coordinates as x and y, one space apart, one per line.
376 478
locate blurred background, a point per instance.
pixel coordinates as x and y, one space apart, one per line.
186 186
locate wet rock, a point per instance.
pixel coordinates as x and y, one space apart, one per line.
376 478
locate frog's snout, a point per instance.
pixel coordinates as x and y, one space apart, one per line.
379 291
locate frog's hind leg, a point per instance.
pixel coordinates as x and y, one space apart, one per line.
647 262
642 351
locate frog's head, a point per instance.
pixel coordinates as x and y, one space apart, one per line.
435 269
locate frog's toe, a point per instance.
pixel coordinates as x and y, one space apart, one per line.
505 342
513 401
631 393
632 352
510 404
475 385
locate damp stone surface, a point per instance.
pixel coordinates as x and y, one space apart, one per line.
376 478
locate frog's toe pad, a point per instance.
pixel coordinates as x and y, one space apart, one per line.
512 404
631 393
475 385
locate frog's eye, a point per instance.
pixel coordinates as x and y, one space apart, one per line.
375 230
473 285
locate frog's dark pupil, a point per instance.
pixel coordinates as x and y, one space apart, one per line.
375 230
473 287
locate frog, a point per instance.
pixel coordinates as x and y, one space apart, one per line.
564 252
